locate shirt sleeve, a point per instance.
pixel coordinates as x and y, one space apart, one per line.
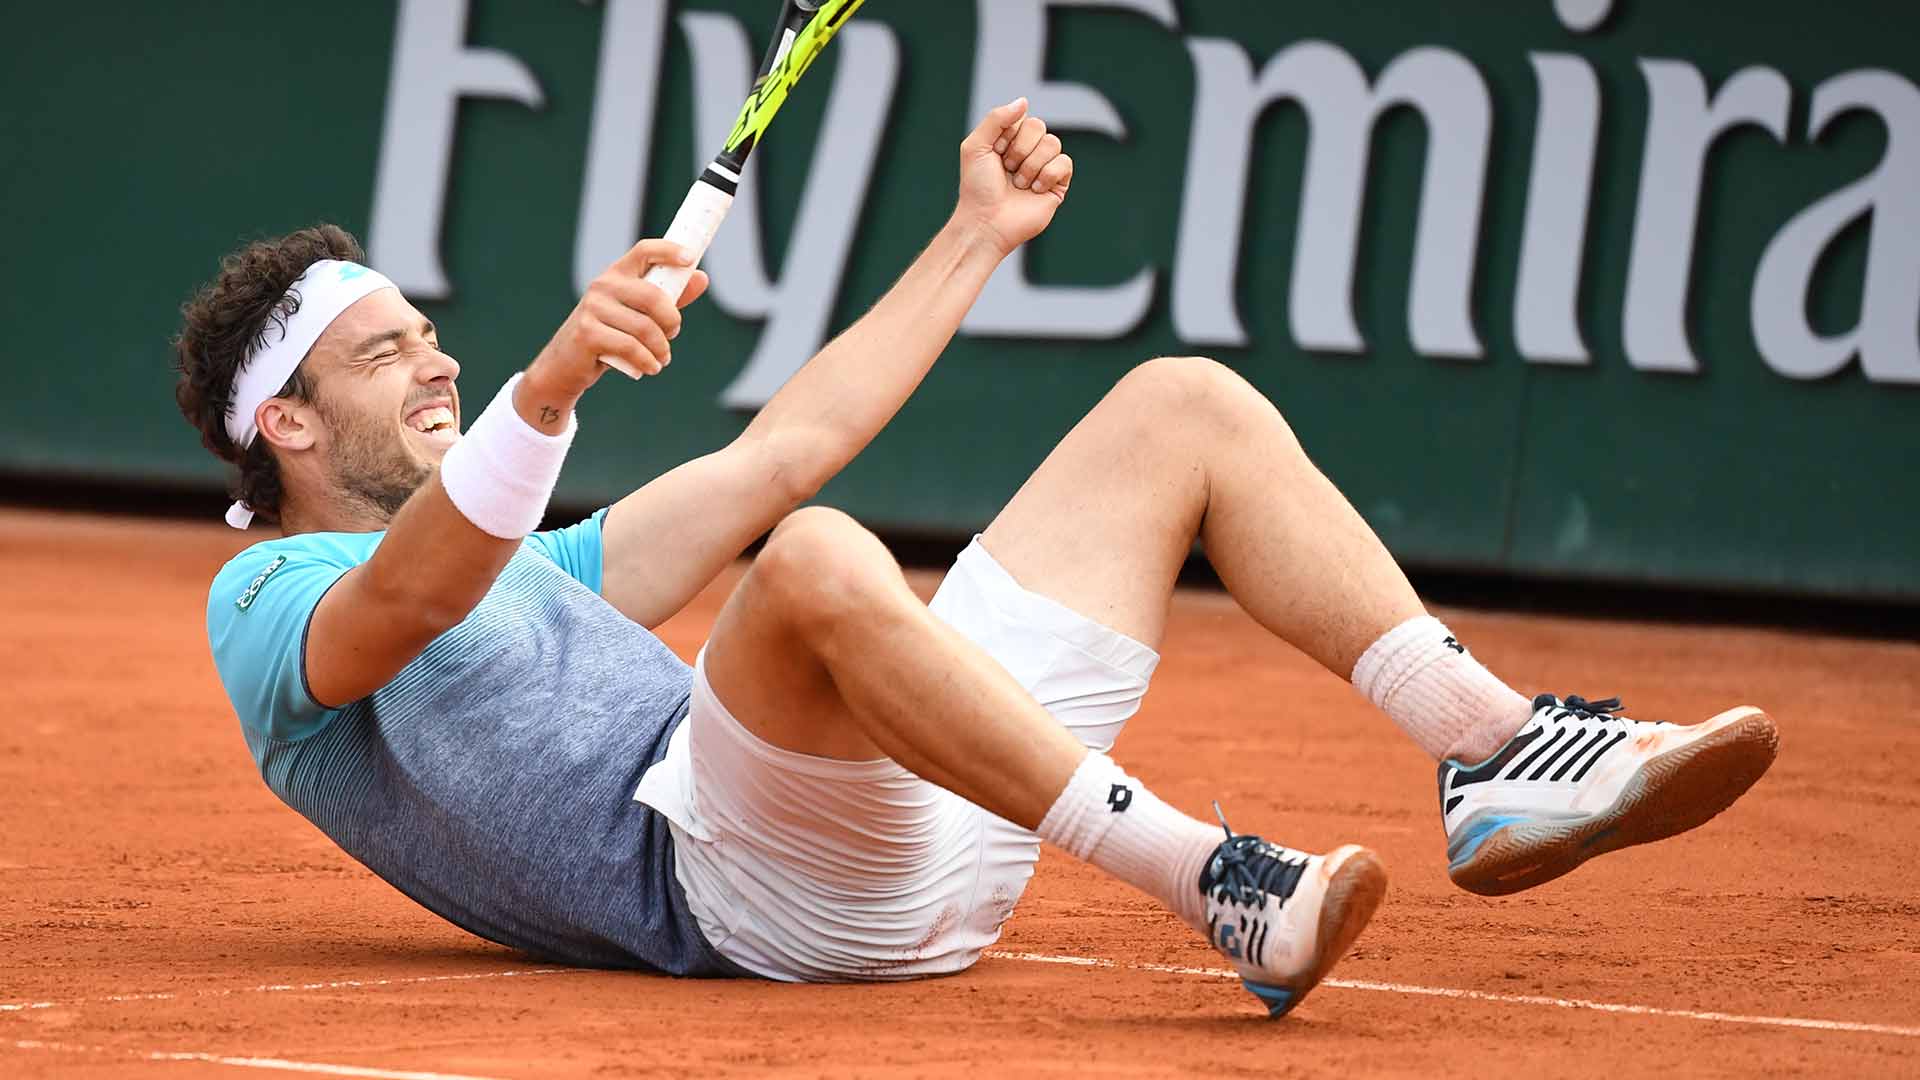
257 616
576 549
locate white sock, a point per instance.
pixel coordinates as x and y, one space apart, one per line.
1422 677
1111 820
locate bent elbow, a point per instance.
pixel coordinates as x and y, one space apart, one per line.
796 467
794 487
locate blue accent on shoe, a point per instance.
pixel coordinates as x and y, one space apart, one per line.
1277 999
1475 835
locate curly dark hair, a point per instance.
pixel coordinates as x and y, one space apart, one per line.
224 322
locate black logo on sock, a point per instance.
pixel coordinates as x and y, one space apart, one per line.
1453 644
1120 797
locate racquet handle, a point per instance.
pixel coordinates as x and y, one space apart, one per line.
693 227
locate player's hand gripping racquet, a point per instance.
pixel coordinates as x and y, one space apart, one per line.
804 29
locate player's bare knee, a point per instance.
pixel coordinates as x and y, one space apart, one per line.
1174 385
824 566
808 543
1198 388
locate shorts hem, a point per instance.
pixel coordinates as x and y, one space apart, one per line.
1098 641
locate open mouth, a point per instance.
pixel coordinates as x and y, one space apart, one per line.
433 420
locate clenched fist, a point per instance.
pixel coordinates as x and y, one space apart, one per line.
1013 175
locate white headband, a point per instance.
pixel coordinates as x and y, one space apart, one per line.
328 288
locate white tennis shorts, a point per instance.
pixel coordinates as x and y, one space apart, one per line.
802 868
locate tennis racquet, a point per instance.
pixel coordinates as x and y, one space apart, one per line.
803 31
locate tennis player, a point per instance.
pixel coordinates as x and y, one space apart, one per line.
848 784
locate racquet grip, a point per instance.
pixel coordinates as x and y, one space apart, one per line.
694 225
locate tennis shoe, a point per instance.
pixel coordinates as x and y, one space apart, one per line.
1283 917
1580 780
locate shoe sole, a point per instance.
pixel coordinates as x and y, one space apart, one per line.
1353 894
1681 789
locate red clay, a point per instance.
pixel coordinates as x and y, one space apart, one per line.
140 854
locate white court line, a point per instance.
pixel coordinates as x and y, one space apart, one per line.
1087 961
280 988
277 1064
1504 999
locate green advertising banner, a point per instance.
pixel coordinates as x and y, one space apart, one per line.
1616 291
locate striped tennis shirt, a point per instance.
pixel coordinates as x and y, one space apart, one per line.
492 779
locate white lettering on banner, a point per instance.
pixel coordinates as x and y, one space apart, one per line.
1546 319
1009 61
1681 128
1884 337
1341 110
432 70
633 37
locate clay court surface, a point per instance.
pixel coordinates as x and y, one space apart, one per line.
162 914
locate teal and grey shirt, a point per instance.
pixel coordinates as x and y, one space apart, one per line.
492 779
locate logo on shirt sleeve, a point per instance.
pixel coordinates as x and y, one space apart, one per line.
246 598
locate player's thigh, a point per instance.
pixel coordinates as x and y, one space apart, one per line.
800 867
759 660
1105 523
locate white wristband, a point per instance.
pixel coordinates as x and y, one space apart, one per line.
501 472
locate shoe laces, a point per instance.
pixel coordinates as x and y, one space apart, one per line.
1604 710
1246 869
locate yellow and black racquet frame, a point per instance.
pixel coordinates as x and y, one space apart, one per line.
799 37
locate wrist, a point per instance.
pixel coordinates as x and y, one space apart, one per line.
544 399
976 237
502 471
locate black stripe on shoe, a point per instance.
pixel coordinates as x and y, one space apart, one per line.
1530 758
1558 754
1451 803
1598 737
1602 752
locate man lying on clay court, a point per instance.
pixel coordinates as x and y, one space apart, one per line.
848 784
